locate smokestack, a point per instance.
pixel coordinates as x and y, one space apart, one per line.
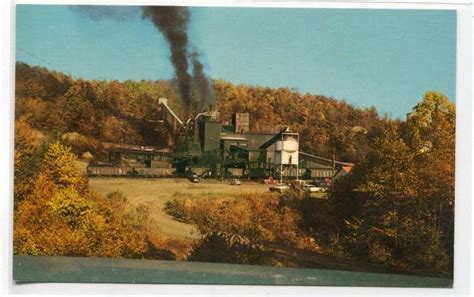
172 22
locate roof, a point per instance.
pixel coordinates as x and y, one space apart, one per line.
347 169
138 149
272 140
303 154
315 165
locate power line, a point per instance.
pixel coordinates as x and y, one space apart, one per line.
42 60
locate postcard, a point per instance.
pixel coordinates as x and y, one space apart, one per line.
234 145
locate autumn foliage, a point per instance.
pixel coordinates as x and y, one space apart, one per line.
237 229
397 206
395 209
126 112
60 216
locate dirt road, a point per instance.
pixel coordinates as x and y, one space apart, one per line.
155 193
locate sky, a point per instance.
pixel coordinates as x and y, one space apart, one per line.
368 57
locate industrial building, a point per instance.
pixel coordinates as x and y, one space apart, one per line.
203 145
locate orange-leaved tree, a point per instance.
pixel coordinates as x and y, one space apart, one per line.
397 207
61 216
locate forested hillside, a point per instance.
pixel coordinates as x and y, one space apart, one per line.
126 112
395 209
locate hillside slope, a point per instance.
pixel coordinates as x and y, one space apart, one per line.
126 112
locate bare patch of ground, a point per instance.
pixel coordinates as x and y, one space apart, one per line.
154 192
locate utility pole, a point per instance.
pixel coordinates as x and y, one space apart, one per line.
298 159
281 160
281 171
333 162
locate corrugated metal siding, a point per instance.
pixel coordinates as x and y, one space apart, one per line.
321 173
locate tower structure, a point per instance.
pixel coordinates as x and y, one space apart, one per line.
287 153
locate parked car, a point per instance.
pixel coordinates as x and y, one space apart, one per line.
235 182
194 178
322 183
279 188
312 188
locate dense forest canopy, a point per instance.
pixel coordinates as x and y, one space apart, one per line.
397 207
126 112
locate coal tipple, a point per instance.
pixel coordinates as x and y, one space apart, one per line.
206 147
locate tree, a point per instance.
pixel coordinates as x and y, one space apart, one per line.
27 158
430 131
60 166
402 195
60 216
54 104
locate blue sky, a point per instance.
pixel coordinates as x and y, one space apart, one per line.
382 58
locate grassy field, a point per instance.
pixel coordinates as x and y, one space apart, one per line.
155 193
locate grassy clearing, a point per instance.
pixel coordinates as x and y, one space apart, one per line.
155 193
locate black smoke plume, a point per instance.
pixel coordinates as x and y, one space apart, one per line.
111 12
173 22
206 94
